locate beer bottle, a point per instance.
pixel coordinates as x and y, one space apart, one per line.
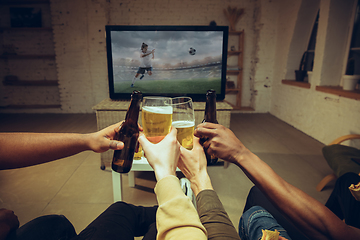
210 116
138 152
128 133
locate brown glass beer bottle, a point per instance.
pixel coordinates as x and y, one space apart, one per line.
128 134
210 116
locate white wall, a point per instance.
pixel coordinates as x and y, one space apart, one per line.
305 17
80 44
320 115
79 39
80 53
28 42
270 54
263 65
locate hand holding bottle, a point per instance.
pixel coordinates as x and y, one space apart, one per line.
8 222
104 139
128 134
221 142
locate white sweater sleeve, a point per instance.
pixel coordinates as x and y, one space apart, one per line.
176 217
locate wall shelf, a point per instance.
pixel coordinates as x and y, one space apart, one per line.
236 32
37 106
337 90
232 90
40 56
25 28
296 83
235 72
31 83
240 108
238 72
234 52
21 2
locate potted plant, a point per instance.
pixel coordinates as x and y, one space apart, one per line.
350 80
301 73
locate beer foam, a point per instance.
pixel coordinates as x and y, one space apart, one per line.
159 110
183 124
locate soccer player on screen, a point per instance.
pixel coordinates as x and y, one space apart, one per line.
145 62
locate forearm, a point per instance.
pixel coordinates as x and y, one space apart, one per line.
201 182
309 215
26 149
214 217
210 209
176 217
145 54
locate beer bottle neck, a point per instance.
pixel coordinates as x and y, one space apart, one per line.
134 109
210 109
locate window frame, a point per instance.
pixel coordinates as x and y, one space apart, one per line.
350 34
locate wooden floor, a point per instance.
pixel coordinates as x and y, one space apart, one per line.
77 188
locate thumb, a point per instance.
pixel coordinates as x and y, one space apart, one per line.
196 142
172 133
116 145
183 152
144 142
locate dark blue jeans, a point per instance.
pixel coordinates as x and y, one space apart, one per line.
257 198
121 221
341 201
50 227
254 220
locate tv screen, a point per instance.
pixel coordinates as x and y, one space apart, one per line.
166 60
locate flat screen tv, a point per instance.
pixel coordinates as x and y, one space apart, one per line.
166 60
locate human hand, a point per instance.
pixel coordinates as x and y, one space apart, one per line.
8 222
222 142
163 156
193 165
103 140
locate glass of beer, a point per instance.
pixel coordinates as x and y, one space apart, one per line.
184 120
156 117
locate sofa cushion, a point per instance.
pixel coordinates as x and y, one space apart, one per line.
342 159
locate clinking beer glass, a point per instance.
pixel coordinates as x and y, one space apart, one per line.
184 120
156 117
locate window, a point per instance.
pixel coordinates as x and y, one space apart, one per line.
309 61
353 61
